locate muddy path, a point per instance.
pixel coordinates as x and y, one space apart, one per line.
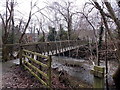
16 77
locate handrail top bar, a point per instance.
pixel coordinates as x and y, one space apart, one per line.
20 44
12 44
35 43
35 53
37 62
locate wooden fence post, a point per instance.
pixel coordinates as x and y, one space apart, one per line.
39 59
49 71
20 55
98 78
47 47
5 53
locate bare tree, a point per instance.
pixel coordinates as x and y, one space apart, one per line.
41 29
66 12
7 18
32 6
27 23
111 14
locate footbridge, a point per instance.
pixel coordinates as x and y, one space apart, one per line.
36 57
44 48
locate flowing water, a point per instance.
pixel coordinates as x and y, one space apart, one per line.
81 72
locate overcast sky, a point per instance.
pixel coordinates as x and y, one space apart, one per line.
24 5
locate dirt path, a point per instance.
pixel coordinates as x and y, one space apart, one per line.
14 76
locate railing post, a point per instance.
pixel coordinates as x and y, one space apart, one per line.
48 46
49 71
98 78
39 59
60 47
4 53
20 55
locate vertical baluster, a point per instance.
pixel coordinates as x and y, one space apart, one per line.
48 47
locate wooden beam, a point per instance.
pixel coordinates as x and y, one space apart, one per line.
36 76
98 73
38 54
35 61
38 70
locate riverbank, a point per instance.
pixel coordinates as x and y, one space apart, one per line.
16 77
85 53
67 72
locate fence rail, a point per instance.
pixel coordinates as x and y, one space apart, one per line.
36 66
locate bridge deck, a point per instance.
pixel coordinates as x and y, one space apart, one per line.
54 52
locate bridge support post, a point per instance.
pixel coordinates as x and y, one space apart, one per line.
5 54
49 71
98 78
38 59
20 55
48 47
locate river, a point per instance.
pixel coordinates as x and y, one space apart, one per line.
81 71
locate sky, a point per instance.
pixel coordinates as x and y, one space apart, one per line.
23 6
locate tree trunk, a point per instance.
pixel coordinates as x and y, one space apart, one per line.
43 36
69 29
4 53
116 78
4 49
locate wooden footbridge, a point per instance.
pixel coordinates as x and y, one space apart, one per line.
44 48
36 57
